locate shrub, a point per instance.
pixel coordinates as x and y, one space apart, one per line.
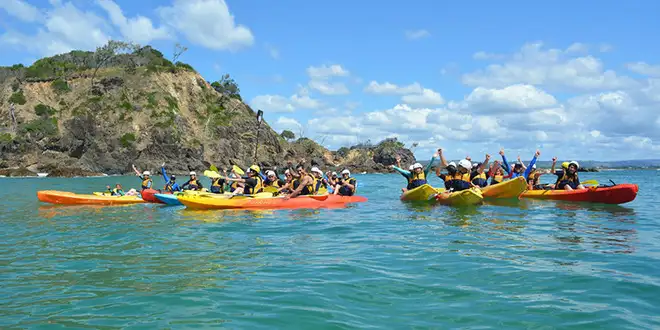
44 110
185 66
127 140
287 134
6 138
15 86
60 86
172 103
18 98
44 126
152 103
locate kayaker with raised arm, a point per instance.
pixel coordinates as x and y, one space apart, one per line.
170 182
496 173
518 169
253 183
147 183
478 176
417 176
570 180
193 183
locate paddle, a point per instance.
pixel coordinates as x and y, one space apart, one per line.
590 182
212 174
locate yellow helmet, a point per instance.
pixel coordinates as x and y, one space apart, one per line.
255 168
564 165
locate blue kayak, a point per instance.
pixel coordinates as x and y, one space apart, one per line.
168 199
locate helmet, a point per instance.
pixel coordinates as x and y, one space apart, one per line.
417 165
334 173
574 163
193 173
146 173
346 172
451 164
317 170
464 163
412 167
270 173
564 165
287 172
172 176
255 168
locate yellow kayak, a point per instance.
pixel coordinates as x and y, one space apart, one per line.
507 189
460 198
421 193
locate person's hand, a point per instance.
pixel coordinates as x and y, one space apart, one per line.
391 166
439 150
554 159
502 152
487 157
468 157
538 153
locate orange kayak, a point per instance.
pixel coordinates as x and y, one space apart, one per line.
69 198
255 203
618 194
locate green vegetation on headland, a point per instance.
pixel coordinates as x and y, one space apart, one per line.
98 112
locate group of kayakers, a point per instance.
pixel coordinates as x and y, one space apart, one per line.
465 174
295 181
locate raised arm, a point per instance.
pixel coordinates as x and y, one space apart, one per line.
554 163
522 163
136 170
506 164
401 171
443 161
428 167
162 170
485 163
531 164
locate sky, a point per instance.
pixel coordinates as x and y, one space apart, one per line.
577 80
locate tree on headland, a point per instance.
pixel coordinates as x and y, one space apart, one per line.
108 51
287 134
227 86
178 51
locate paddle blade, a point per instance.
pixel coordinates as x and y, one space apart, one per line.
211 174
590 182
213 168
238 170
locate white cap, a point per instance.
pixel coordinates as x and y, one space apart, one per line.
193 173
287 172
334 173
574 163
417 165
412 167
316 169
346 172
146 173
451 164
464 163
270 173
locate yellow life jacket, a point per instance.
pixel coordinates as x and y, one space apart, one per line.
256 189
216 183
147 183
497 179
308 189
533 178
416 180
275 183
345 191
462 177
480 180
566 178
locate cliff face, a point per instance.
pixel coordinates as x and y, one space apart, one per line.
60 115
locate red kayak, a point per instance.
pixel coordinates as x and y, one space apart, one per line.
617 194
148 195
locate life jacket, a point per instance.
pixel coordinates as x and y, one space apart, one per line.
275 183
256 189
193 184
217 186
479 179
233 186
460 181
496 179
533 178
566 179
416 180
115 192
318 183
168 187
147 183
346 191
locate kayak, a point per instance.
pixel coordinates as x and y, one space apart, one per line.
421 193
617 194
69 198
247 202
169 199
148 195
460 198
507 189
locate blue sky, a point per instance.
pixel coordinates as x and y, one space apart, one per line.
576 79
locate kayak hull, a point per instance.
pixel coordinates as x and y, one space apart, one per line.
618 194
460 198
422 193
256 203
69 198
507 189
169 199
148 196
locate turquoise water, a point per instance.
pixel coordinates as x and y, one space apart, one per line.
380 264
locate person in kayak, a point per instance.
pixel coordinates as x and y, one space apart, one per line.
478 176
320 181
217 185
406 174
116 191
347 186
447 178
518 169
417 173
252 184
193 183
459 180
303 184
570 180
496 173
272 180
170 185
287 187
145 177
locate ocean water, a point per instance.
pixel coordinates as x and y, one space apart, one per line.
380 264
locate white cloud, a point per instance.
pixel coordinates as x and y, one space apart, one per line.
509 99
605 48
272 103
139 29
286 123
644 68
426 98
481 55
65 28
207 23
21 10
328 88
417 34
388 88
327 71
551 68
577 47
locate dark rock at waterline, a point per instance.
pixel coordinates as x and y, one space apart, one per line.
16 172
